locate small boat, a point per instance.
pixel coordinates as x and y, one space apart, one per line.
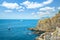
9 28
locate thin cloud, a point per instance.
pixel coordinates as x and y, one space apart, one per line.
29 4
41 14
8 11
58 8
21 10
47 9
48 2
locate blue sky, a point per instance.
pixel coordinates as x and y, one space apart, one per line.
28 9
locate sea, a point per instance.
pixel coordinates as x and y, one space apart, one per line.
17 29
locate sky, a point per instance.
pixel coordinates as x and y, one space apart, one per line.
28 9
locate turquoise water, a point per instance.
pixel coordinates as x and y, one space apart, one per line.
17 29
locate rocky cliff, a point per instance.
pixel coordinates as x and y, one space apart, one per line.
47 25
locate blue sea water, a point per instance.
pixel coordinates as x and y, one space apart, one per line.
17 29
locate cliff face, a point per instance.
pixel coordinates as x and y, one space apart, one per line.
48 25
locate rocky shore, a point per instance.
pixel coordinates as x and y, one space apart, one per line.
48 29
